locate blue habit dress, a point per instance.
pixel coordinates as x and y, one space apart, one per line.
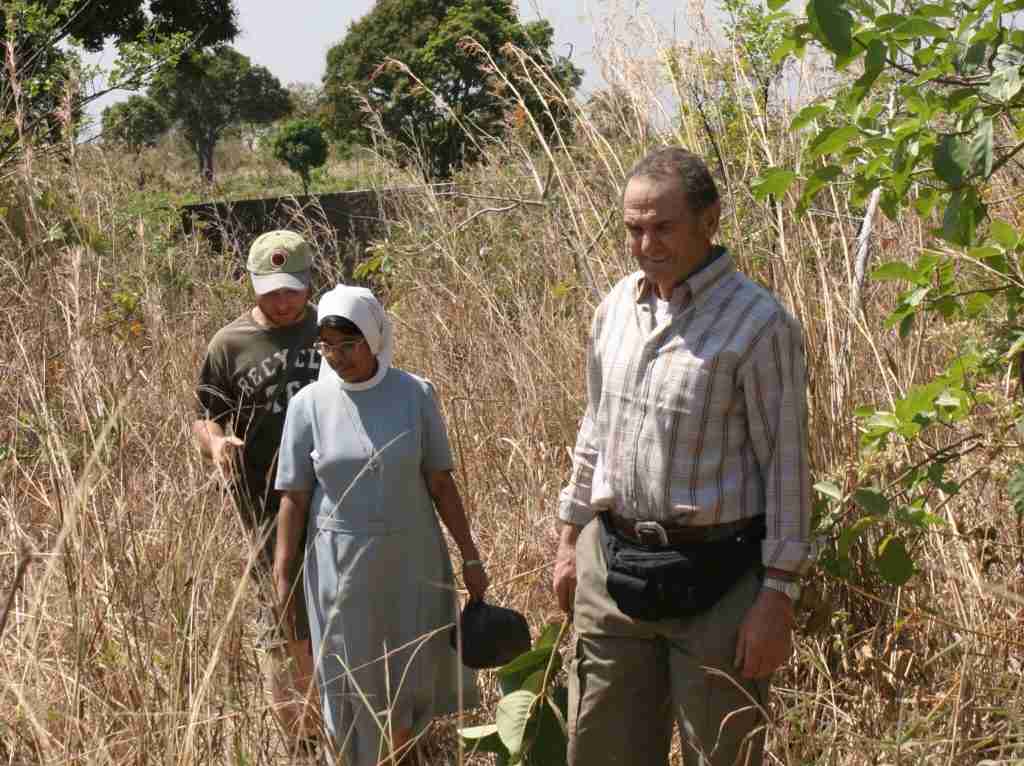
379 582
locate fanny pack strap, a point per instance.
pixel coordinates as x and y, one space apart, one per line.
755 531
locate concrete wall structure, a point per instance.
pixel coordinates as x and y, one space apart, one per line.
340 224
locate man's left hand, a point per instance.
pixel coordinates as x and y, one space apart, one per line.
766 636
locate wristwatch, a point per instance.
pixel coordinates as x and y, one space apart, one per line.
791 589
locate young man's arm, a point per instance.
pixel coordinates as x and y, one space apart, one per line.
215 402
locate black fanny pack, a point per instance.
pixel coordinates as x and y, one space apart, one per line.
659 583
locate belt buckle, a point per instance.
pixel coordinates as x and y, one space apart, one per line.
651 527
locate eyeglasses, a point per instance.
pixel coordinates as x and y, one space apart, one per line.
346 346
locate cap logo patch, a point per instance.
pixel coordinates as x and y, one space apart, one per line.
277 259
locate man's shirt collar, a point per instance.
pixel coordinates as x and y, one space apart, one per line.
697 284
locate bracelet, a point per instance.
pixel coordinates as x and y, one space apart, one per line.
472 563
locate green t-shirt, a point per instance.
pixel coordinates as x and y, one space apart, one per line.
249 375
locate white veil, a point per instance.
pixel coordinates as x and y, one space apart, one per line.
361 307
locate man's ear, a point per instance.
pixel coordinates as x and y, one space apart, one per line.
710 218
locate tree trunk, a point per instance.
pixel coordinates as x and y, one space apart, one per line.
204 153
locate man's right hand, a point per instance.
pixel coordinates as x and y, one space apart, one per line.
564 579
222 450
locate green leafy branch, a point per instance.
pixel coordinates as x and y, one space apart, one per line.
530 723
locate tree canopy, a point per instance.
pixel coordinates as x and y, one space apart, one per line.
300 144
212 91
137 122
444 91
93 23
38 34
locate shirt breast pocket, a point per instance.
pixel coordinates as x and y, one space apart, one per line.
700 391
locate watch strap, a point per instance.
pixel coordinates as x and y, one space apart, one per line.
791 589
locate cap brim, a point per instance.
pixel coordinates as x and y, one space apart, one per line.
267 283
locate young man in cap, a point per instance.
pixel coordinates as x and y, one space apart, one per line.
253 367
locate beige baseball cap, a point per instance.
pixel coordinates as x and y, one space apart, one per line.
279 260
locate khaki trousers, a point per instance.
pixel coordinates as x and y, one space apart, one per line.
630 679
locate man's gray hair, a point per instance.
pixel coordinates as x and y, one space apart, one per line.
673 163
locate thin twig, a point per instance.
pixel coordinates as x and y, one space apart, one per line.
26 559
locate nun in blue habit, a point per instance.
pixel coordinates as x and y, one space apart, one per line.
365 466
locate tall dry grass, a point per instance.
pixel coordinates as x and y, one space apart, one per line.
129 639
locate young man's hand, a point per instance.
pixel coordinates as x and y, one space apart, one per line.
222 450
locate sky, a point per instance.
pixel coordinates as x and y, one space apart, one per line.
291 40
308 35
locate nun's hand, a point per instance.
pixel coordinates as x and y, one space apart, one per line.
475 577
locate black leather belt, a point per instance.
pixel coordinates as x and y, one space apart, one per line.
655 533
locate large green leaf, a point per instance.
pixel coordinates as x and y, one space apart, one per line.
774 181
546 738
929 74
977 305
974 57
1004 234
952 160
832 140
889 21
821 178
807 115
916 27
528 662
1005 84
949 399
515 674
512 718
882 421
1015 349
484 739
872 501
549 636
960 221
1016 491
918 406
894 271
893 562
852 533
479 732
933 11
981 149
874 63
834 23
926 201
533 682
828 489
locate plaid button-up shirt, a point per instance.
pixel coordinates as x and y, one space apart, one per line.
700 419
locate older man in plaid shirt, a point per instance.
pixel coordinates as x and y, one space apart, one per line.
695 427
